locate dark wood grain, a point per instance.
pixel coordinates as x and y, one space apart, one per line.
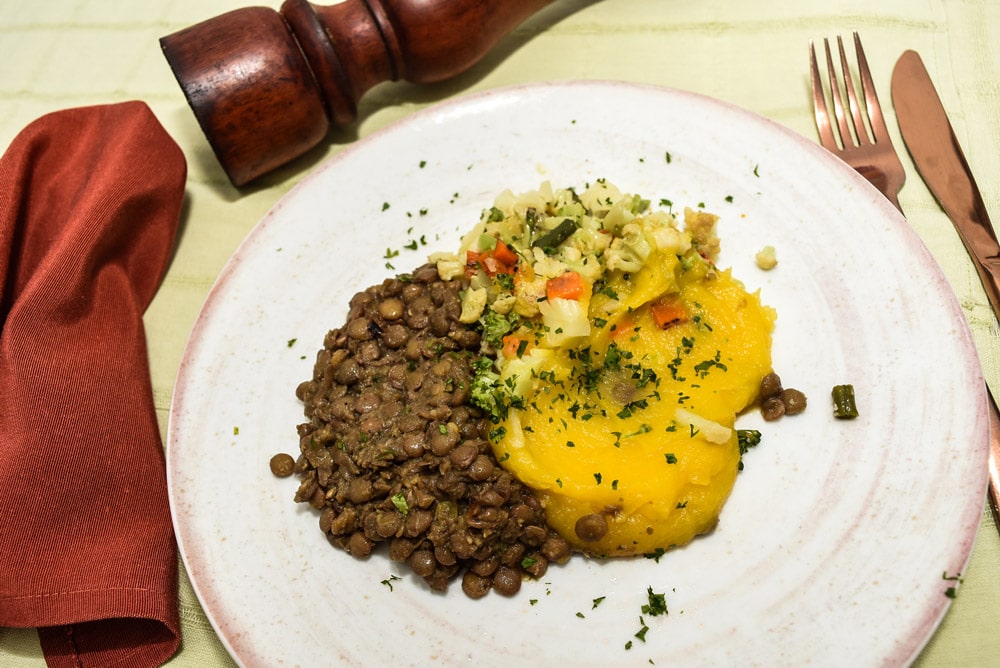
266 86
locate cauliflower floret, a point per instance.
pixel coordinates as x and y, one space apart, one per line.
766 258
565 320
661 229
448 265
546 266
504 303
599 197
618 216
518 373
473 303
571 253
589 267
528 293
628 253
701 226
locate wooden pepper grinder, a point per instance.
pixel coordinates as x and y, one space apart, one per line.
266 86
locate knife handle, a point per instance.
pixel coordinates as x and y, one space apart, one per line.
980 241
976 231
989 273
267 86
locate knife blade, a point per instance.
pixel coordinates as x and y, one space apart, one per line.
933 145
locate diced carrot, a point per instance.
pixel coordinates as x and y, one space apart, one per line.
515 346
490 265
471 263
567 286
499 260
504 254
667 312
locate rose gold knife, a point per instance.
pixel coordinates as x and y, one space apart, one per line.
932 143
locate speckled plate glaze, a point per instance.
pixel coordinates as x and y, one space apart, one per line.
833 549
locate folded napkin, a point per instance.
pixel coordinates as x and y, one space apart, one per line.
89 205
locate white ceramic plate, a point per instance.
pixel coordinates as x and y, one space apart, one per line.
837 540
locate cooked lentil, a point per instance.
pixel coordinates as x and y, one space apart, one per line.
776 401
393 454
282 465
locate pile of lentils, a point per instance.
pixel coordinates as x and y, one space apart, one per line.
394 456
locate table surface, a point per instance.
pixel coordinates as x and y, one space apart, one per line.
67 53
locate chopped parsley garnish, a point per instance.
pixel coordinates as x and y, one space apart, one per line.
629 408
747 438
602 288
641 633
702 368
657 604
656 554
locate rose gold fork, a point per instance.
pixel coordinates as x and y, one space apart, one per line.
861 138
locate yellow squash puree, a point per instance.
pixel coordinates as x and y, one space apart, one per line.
614 399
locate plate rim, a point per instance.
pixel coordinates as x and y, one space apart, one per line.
465 102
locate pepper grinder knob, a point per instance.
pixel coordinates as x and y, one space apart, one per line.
266 86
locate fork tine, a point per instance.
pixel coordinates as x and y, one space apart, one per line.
820 109
846 134
860 137
860 129
879 129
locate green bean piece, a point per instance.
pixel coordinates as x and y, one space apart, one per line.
556 235
844 406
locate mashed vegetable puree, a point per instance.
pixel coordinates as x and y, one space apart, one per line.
616 357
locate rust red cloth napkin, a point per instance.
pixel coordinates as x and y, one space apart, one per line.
90 200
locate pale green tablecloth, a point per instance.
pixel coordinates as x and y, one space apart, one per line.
64 53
